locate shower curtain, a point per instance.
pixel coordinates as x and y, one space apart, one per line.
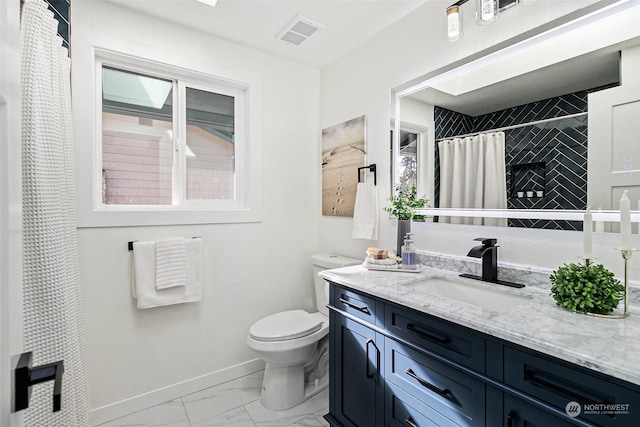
53 327
473 175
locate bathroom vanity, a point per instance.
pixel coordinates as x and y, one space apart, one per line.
429 348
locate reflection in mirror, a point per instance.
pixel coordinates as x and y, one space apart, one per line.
547 112
411 166
408 162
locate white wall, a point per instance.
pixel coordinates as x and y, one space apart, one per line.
360 83
251 270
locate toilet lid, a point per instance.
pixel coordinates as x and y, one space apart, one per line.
286 325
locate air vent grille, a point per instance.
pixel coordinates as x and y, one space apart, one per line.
300 29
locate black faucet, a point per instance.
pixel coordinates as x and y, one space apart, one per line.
488 252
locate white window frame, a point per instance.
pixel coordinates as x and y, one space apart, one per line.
245 207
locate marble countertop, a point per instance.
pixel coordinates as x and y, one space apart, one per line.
610 346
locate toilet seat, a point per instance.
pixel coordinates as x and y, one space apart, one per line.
287 325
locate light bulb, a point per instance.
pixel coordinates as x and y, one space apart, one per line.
486 11
454 23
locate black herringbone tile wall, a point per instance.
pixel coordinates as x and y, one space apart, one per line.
550 157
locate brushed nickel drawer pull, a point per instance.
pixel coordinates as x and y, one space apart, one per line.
363 309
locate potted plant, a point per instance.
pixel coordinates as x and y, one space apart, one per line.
403 204
586 288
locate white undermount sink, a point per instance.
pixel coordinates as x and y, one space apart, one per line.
480 294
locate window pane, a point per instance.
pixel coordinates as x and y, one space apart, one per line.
137 139
408 173
210 146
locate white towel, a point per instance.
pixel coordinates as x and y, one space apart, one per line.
371 263
143 280
365 214
171 263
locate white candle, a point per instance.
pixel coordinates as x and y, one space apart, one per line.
600 224
625 221
587 228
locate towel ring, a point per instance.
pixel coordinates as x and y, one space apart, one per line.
372 168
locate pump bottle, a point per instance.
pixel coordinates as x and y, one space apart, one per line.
409 253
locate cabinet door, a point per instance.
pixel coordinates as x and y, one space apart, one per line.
520 414
356 397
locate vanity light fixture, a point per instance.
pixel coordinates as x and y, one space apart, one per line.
454 21
486 11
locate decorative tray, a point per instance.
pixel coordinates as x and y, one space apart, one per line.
400 268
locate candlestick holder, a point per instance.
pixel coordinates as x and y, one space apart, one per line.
587 260
626 255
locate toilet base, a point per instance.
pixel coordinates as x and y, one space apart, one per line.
284 387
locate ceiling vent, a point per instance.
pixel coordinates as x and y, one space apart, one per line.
299 30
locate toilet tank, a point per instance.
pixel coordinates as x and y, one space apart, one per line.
324 262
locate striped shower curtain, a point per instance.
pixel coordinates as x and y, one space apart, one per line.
53 327
473 175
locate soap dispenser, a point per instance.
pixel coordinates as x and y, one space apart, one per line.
409 253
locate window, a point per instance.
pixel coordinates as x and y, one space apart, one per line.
142 152
174 141
137 139
408 159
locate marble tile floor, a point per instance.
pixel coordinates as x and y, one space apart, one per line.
232 404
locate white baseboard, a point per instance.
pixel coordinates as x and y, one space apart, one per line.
147 400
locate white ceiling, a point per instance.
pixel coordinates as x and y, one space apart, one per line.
599 68
256 23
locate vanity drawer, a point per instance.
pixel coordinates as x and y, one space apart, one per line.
357 304
559 383
446 339
441 388
403 410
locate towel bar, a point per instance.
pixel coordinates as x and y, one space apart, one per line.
130 244
372 168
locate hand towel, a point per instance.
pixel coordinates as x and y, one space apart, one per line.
365 214
171 263
380 264
143 281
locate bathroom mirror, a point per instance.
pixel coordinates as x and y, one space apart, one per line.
548 179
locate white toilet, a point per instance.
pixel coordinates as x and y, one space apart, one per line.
295 345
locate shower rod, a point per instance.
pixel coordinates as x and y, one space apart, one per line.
521 125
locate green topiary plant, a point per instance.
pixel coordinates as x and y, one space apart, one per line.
586 288
403 203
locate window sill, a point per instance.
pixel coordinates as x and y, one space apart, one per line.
141 216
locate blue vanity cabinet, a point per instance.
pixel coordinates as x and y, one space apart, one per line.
393 366
355 362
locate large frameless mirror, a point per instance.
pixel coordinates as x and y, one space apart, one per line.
531 134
